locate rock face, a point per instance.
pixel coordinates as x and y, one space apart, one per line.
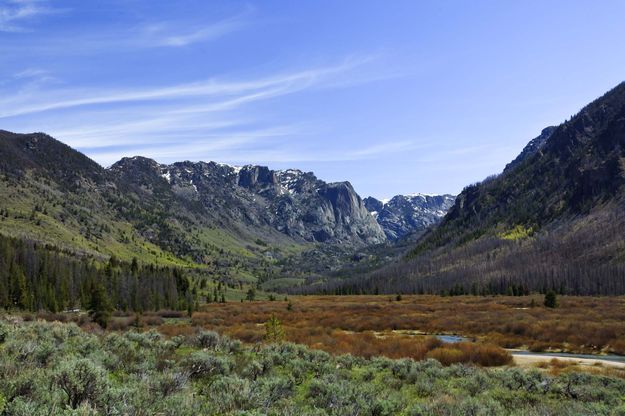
566 172
533 147
406 214
290 201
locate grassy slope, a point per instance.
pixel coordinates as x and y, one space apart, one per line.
45 224
85 224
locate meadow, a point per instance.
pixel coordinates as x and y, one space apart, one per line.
383 325
53 368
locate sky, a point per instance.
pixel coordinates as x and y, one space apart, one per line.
396 97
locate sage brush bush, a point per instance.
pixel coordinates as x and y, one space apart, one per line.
58 369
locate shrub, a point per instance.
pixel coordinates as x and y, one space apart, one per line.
232 393
148 374
151 320
121 323
466 352
201 364
208 339
174 330
446 356
43 352
51 316
169 382
538 346
253 370
171 314
550 299
229 346
618 346
4 333
276 388
81 381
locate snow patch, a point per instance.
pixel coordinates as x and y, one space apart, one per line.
167 176
235 168
422 195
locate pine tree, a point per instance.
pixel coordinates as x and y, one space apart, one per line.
134 266
550 299
99 306
274 333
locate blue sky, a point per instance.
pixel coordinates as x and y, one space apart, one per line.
396 97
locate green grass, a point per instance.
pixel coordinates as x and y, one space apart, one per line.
519 232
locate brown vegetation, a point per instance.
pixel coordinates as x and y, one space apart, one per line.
381 325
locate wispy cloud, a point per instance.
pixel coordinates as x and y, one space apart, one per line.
213 119
384 148
34 77
169 34
14 14
235 92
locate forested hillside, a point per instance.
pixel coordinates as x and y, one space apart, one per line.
38 277
240 227
554 219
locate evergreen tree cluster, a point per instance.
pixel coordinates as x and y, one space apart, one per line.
42 277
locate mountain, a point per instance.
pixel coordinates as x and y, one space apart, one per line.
405 214
239 224
291 202
578 169
533 147
553 219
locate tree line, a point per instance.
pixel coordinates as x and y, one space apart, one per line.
581 257
35 276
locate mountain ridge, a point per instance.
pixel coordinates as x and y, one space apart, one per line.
296 203
248 223
403 215
554 219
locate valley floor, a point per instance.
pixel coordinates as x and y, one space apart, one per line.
366 325
60 369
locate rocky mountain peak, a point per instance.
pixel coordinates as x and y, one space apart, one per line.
405 214
290 201
534 146
135 163
48 156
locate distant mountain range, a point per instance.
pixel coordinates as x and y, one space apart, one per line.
255 198
236 218
402 215
242 222
553 219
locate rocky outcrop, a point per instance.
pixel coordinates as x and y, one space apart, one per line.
406 214
533 147
292 202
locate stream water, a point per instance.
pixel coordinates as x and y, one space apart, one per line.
615 358
452 339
